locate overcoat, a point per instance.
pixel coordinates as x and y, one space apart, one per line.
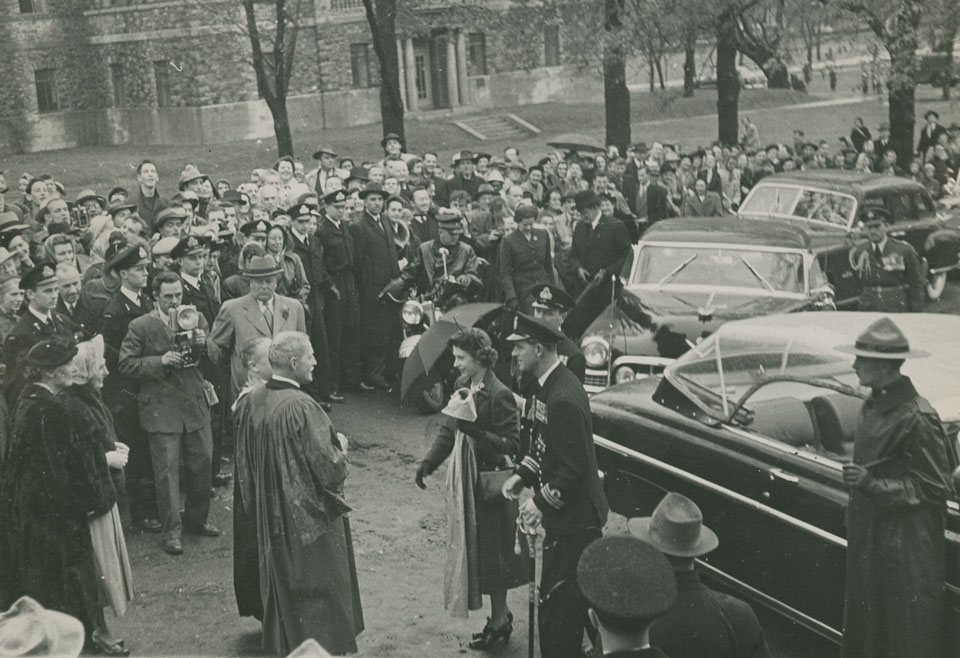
376 265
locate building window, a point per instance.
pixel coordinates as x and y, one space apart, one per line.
161 71
476 54
360 64
32 6
119 85
47 99
551 45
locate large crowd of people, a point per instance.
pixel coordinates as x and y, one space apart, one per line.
145 335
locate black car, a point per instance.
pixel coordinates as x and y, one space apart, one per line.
754 424
830 203
688 276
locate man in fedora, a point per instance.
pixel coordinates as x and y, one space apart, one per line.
392 145
316 179
174 410
627 586
930 133
899 481
890 273
464 178
260 313
703 622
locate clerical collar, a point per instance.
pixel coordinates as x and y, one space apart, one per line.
132 296
287 380
42 318
542 379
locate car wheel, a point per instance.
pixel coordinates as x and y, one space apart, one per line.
432 397
936 283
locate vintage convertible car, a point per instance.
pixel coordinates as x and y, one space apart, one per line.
689 276
754 424
829 203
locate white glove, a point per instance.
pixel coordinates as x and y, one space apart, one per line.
116 459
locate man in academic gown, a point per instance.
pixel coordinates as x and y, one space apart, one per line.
308 578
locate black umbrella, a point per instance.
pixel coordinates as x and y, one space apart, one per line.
577 142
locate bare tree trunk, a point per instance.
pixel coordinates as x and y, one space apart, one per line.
659 64
616 96
382 20
948 69
819 40
728 83
281 126
650 69
690 66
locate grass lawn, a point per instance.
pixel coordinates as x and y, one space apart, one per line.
104 167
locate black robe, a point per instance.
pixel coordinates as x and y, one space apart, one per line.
54 481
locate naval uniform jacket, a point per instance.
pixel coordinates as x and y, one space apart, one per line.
203 298
892 283
118 389
561 465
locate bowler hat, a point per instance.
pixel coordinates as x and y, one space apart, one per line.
51 353
586 199
189 174
882 340
625 579
42 273
261 267
324 149
373 188
547 295
29 629
529 328
676 528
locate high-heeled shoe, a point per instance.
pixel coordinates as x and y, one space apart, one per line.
108 646
489 636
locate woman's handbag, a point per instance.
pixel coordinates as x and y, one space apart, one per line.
491 484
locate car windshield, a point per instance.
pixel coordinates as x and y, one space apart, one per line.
717 373
819 206
679 266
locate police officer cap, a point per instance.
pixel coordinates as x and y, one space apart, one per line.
256 226
302 210
547 295
335 197
625 579
525 211
586 199
876 215
42 273
128 257
528 328
51 353
189 246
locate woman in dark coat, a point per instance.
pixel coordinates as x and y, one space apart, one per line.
488 526
55 486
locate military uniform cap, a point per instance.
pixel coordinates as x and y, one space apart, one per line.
164 246
874 214
256 227
547 295
528 328
525 211
625 579
42 274
128 257
51 353
189 246
337 196
882 340
303 210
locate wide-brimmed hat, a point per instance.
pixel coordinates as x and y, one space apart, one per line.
373 188
10 221
388 137
169 214
324 149
190 173
463 156
117 206
261 267
29 629
882 340
928 113
86 195
676 528
358 173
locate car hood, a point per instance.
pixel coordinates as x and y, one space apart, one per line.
665 323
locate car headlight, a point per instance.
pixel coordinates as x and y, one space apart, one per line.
411 313
595 351
624 374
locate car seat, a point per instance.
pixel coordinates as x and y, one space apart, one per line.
786 420
837 418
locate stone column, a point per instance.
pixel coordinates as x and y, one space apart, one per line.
453 88
402 74
410 66
465 98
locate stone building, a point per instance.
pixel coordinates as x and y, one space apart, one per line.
102 72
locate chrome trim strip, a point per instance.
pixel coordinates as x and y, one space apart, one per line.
818 627
725 245
642 361
723 491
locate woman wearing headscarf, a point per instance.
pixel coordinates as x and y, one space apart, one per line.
57 501
293 279
481 522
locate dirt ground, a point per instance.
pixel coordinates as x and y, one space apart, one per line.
185 605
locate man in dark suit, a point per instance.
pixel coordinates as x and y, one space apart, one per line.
465 178
702 203
120 391
561 468
600 244
38 322
658 198
882 142
310 250
525 259
930 133
376 266
70 303
174 404
341 310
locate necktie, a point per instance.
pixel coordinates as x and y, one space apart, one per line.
268 316
877 252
